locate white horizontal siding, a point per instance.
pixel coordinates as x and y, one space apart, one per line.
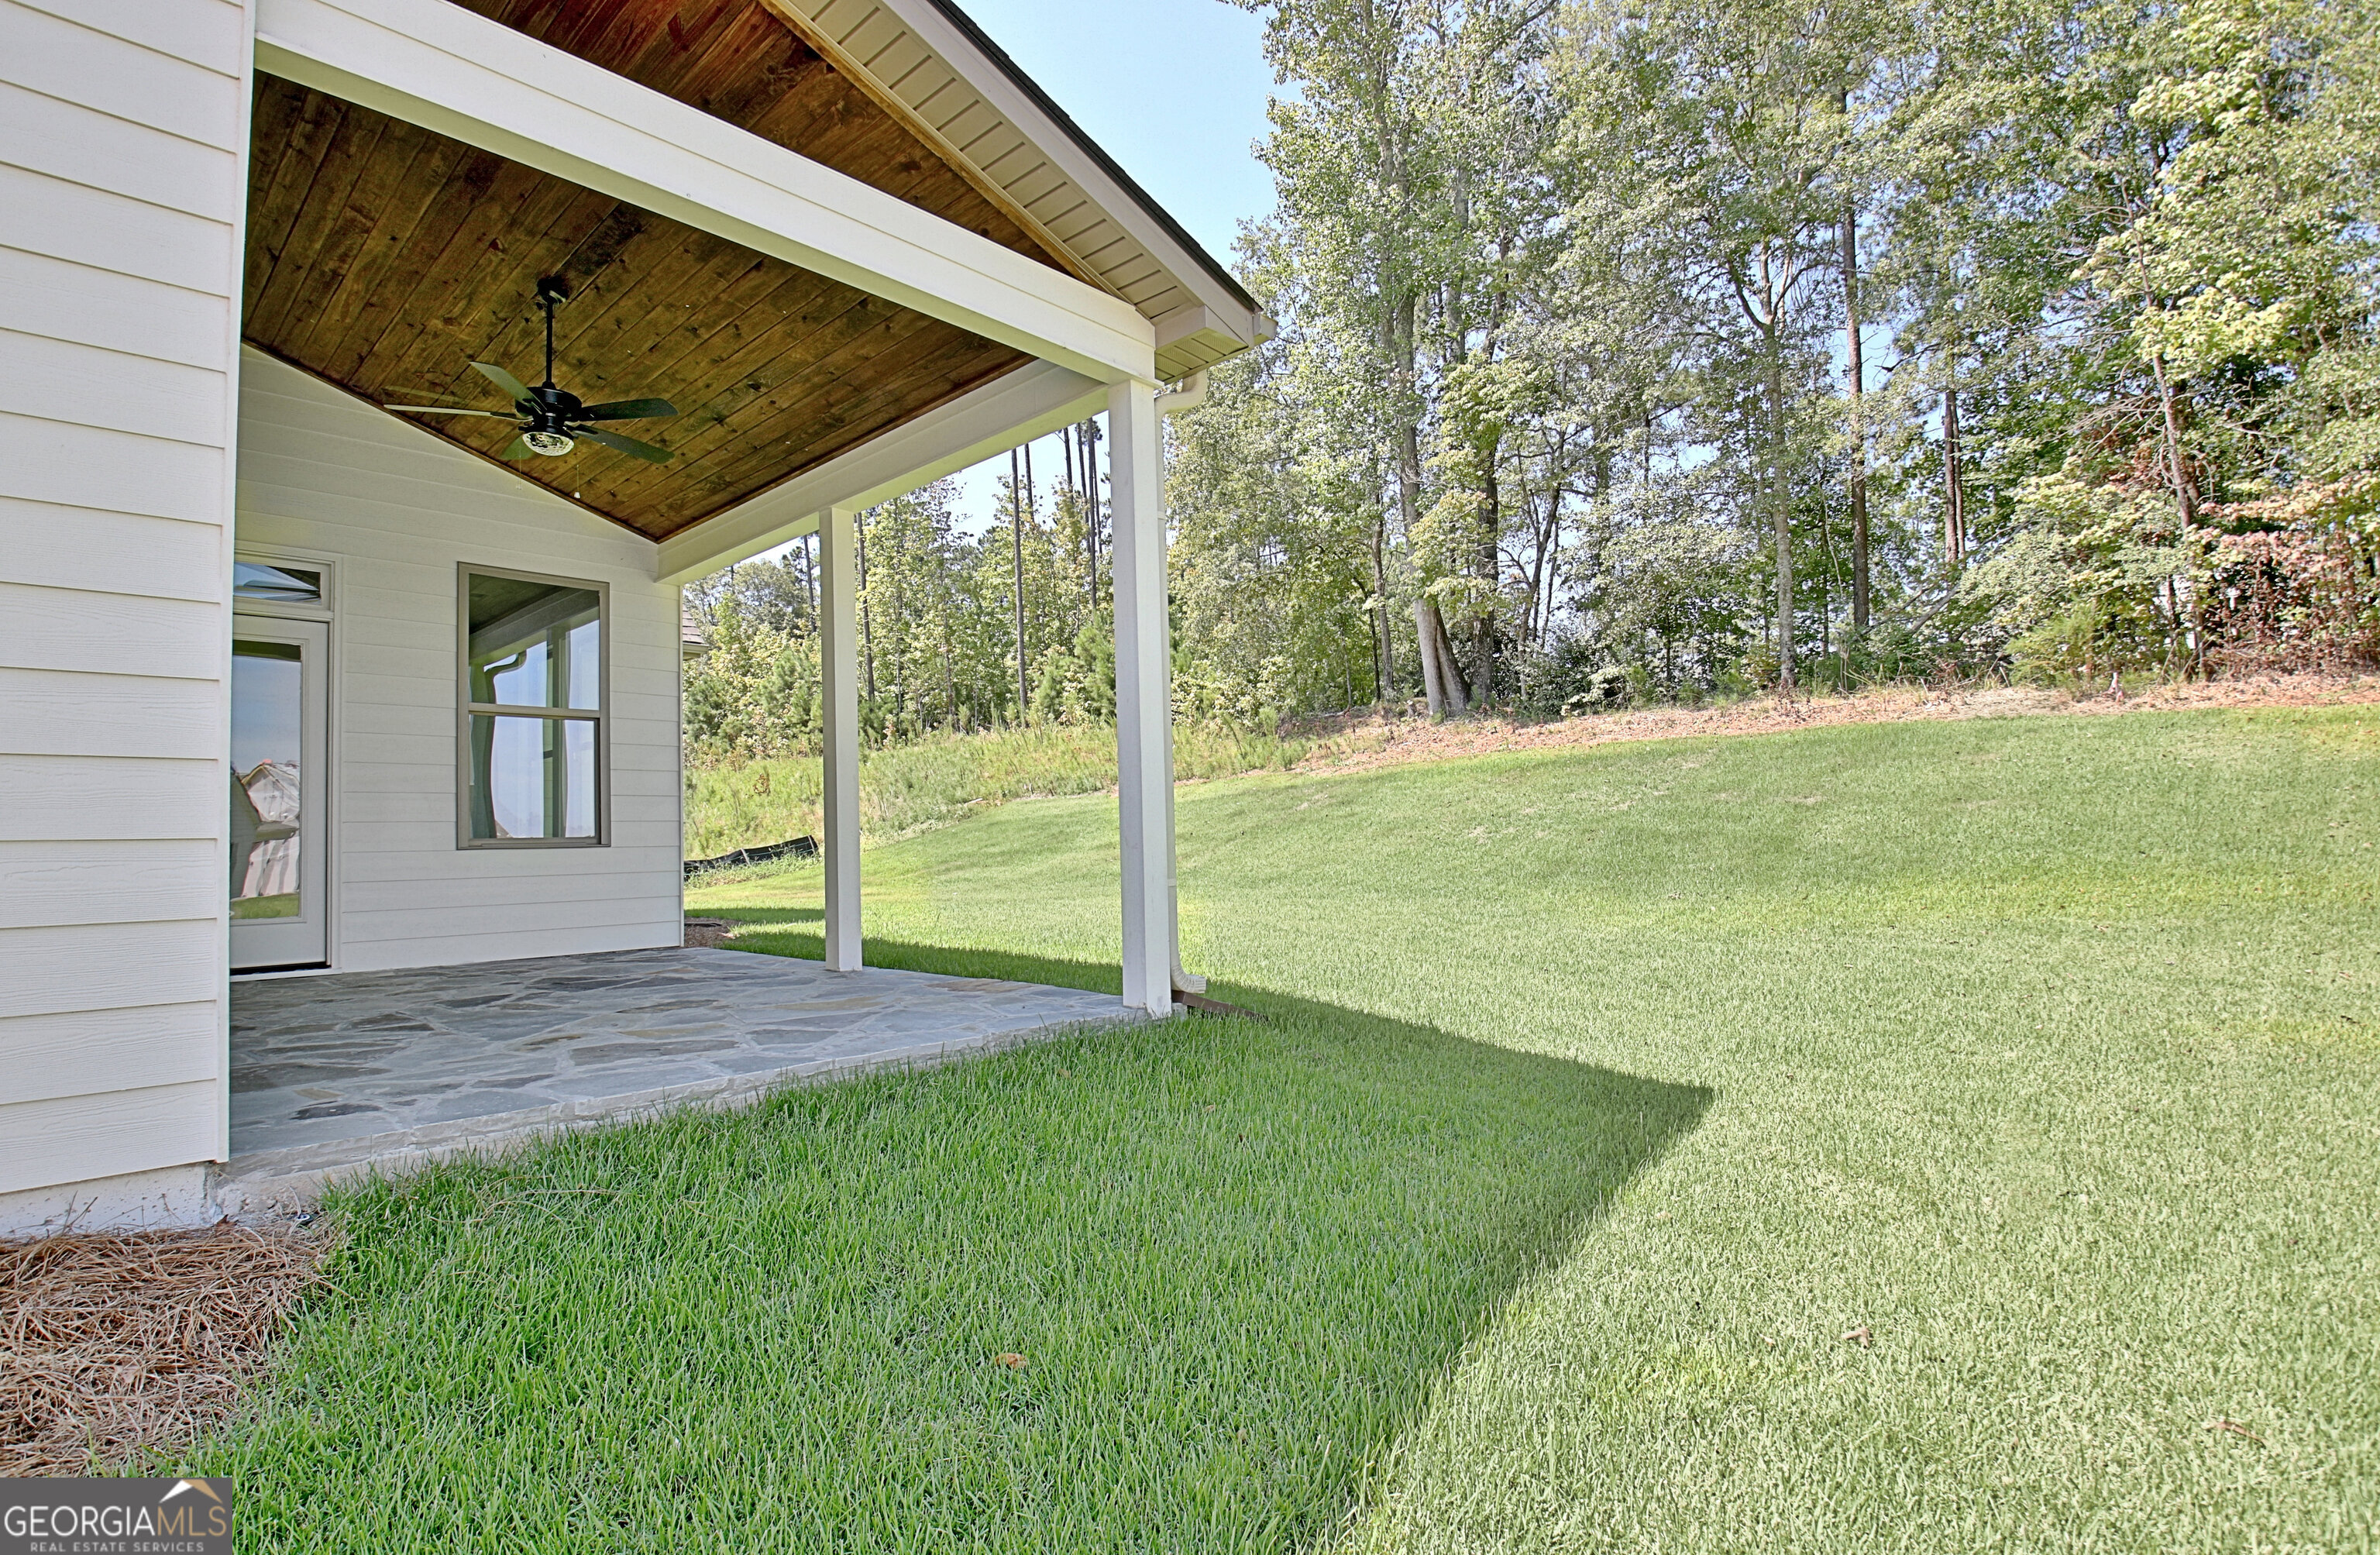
114 232
81 798
53 547
49 882
82 146
64 968
410 835
395 871
87 631
152 89
44 1057
76 1138
66 380
48 296
56 713
395 512
205 32
67 466
447 947
123 125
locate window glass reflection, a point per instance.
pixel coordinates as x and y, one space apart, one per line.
267 710
535 644
532 777
260 580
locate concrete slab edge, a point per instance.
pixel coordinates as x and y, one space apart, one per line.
276 1186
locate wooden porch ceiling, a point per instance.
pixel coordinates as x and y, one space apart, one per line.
385 258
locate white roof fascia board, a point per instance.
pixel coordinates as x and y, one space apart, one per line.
1054 145
459 74
1031 402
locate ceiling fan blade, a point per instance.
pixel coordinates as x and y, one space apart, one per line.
624 445
503 380
519 449
446 410
626 410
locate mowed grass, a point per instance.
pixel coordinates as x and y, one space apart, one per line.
1177 1288
2044 1050
1606 1094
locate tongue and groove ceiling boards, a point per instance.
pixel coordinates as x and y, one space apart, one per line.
385 258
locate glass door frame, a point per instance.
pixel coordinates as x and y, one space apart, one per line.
267 944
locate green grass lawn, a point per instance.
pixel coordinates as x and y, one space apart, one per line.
1606 1093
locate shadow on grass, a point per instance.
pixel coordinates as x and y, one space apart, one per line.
1177 1286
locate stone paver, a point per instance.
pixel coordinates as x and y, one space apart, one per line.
361 1067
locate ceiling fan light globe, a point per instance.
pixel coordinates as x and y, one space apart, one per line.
551 443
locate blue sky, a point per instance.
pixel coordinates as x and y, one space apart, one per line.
1175 91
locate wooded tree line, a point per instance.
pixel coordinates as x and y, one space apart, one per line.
957 631
1678 347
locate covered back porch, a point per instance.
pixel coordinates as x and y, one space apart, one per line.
336 1075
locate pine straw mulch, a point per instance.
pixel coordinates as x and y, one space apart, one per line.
111 1345
1365 740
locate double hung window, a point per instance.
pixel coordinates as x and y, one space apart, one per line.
535 752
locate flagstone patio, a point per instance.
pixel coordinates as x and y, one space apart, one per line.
388 1069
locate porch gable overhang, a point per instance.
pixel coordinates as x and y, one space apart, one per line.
434 64
980 336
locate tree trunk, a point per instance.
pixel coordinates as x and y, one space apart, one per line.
1442 678
1016 534
2185 495
1442 682
1433 690
1459 696
950 676
1954 489
866 631
1483 631
1090 444
1782 516
1386 664
1859 422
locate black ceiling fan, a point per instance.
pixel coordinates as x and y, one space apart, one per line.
551 420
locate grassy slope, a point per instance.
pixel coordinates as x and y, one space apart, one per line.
938 779
1607 1091
2043 1049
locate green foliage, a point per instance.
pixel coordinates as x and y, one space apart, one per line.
933 779
754 694
1563 354
1561 387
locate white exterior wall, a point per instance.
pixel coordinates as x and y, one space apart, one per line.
325 477
123 136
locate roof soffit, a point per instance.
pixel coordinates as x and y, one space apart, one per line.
909 96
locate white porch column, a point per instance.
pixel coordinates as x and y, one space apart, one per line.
1144 697
838 674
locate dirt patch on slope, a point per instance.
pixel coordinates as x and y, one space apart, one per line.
112 1344
1367 739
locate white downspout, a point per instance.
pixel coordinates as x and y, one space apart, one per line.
1189 396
